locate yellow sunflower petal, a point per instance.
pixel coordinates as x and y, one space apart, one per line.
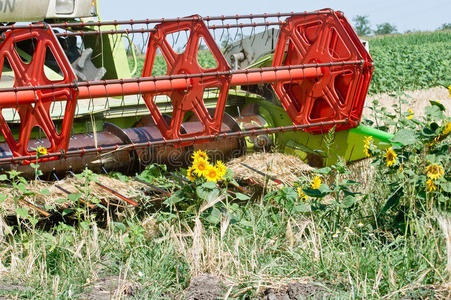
316 183
212 174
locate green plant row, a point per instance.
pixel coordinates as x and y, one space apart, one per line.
411 61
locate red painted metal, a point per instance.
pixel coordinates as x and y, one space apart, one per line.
36 113
160 84
340 92
190 99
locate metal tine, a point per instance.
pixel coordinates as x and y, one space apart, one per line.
153 186
181 178
117 194
90 205
278 181
37 208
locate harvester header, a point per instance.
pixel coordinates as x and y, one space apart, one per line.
319 72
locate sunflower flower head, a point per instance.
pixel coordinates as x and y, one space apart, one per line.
368 145
446 129
200 165
301 194
316 183
410 116
212 174
449 91
42 150
199 154
390 156
430 185
222 169
434 171
190 174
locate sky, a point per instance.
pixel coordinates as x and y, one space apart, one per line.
404 14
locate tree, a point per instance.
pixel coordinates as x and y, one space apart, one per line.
445 26
385 28
362 25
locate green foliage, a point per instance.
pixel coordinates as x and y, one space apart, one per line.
410 61
362 25
445 26
385 28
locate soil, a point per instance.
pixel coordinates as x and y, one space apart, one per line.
297 291
110 287
14 290
205 287
418 100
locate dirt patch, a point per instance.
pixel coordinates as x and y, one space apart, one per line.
284 167
205 287
10 290
111 287
297 291
418 100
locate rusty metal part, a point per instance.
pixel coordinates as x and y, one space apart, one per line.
250 118
115 155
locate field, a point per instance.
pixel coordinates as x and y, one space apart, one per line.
376 229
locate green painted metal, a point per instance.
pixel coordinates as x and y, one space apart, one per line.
109 51
312 148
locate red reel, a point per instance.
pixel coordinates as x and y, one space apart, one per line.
191 99
339 94
28 69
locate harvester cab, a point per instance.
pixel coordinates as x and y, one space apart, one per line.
226 84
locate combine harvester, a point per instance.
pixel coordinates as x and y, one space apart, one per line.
281 80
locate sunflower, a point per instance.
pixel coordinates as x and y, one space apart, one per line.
410 116
434 171
368 145
222 169
431 185
447 129
42 150
449 91
190 174
390 156
316 183
301 194
200 165
212 174
200 154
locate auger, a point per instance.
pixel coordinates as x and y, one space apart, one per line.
67 87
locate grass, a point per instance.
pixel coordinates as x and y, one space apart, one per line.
358 240
262 251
